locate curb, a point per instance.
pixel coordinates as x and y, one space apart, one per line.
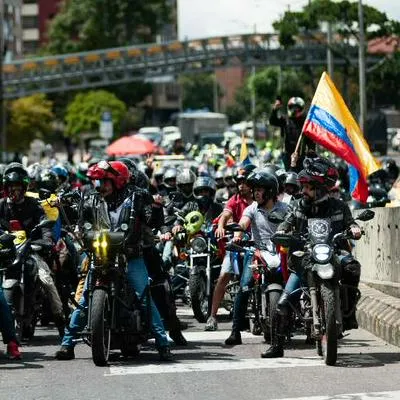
379 314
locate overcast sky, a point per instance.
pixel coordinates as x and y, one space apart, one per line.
207 18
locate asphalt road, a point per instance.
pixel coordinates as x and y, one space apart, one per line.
206 369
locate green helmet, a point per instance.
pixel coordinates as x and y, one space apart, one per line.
193 222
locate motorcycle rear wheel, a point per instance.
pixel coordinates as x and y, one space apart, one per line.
100 327
329 339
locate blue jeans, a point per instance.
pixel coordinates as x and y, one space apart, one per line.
7 327
293 283
138 279
242 298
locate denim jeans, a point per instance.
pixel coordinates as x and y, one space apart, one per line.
138 279
242 298
7 327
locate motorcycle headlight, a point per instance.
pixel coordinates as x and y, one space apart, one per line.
199 245
322 253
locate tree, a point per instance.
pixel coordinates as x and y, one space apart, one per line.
198 91
84 112
94 24
30 118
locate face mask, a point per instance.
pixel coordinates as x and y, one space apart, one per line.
204 202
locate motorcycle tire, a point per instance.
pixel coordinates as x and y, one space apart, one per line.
330 336
198 297
273 315
100 327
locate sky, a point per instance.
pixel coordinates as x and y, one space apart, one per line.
207 18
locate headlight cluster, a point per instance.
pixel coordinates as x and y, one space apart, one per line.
322 253
199 245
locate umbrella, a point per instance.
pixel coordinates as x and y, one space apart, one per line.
131 145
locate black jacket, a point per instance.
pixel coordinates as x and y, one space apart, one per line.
290 132
298 214
29 213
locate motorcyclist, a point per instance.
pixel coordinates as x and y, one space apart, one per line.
292 186
265 188
111 180
204 192
169 182
316 179
160 285
233 211
17 206
230 188
291 126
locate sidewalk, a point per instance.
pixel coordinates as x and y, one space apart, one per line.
379 314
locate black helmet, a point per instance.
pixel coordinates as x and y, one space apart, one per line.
292 179
265 179
141 179
48 180
129 163
204 182
244 171
15 173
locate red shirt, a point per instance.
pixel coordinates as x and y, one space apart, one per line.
236 205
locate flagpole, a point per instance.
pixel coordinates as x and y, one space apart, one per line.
361 68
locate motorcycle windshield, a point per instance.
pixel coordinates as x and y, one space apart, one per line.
319 230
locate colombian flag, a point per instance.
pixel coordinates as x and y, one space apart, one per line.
244 154
330 124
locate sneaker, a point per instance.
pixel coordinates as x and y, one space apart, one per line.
211 325
12 351
65 353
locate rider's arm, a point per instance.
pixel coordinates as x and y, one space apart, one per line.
223 219
244 223
350 223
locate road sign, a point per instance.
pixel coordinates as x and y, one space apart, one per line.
106 126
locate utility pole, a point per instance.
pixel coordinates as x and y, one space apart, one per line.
3 141
329 55
361 68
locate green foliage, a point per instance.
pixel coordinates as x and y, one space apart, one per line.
94 24
30 118
84 112
344 16
198 91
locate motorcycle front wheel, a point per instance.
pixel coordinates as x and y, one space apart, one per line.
100 324
329 341
198 296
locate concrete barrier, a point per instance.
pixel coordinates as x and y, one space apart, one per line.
379 251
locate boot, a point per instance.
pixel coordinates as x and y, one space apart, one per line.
282 306
65 353
165 354
350 322
175 332
234 339
275 350
13 352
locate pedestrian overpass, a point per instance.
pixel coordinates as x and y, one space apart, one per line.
146 62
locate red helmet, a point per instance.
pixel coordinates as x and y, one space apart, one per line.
116 171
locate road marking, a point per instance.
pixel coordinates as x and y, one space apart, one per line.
188 312
216 336
359 396
223 365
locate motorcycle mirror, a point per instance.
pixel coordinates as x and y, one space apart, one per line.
275 217
366 215
234 228
282 239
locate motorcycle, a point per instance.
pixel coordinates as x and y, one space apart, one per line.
269 277
116 316
328 297
21 283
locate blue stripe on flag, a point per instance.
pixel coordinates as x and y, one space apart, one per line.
330 123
